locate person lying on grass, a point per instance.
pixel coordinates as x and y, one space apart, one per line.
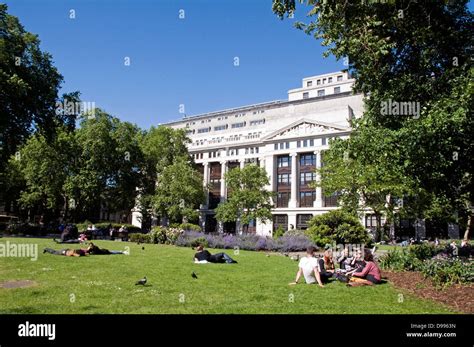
204 256
309 268
67 252
91 249
96 250
369 275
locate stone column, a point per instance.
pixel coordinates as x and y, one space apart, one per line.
205 184
318 201
223 185
294 181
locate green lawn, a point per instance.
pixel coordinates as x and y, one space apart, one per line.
257 284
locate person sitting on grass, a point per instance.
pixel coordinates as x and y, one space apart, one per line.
204 256
308 267
369 275
326 266
345 261
96 250
67 252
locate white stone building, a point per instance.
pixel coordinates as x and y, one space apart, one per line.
285 137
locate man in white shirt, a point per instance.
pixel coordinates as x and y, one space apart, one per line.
308 266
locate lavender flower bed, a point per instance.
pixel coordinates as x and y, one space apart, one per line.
251 242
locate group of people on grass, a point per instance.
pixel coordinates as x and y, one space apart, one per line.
356 270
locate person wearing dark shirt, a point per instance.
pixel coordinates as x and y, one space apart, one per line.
205 255
326 267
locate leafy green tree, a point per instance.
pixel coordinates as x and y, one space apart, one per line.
338 227
248 200
161 147
29 85
179 192
417 52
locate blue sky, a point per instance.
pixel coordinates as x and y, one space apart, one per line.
173 61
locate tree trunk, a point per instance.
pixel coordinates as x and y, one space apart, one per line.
469 224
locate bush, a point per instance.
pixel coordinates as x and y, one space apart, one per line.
279 232
24 228
250 242
190 227
139 237
400 261
337 227
447 272
105 226
164 235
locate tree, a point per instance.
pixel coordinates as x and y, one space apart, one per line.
161 147
247 200
365 171
417 53
337 227
78 172
29 85
179 191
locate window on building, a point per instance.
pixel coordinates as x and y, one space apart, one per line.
330 80
323 141
309 83
257 122
337 90
282 199
307 177
311 142
287 145
238 125
298 144
305 143
284 179
321 92
220 127
307 198
330 201
283 161
280 220
324 81
275 146
308 160
305 95
371 221
318 82
204 130
339 78
302 221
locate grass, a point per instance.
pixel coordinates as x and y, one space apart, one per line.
257 284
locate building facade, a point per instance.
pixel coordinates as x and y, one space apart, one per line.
286 137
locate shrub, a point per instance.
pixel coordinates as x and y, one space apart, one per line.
400 260
164 235
447 272
190 227
337 227
24 228
251 242
139 237
278 232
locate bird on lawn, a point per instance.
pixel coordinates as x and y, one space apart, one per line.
193 275
143 248
141 282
